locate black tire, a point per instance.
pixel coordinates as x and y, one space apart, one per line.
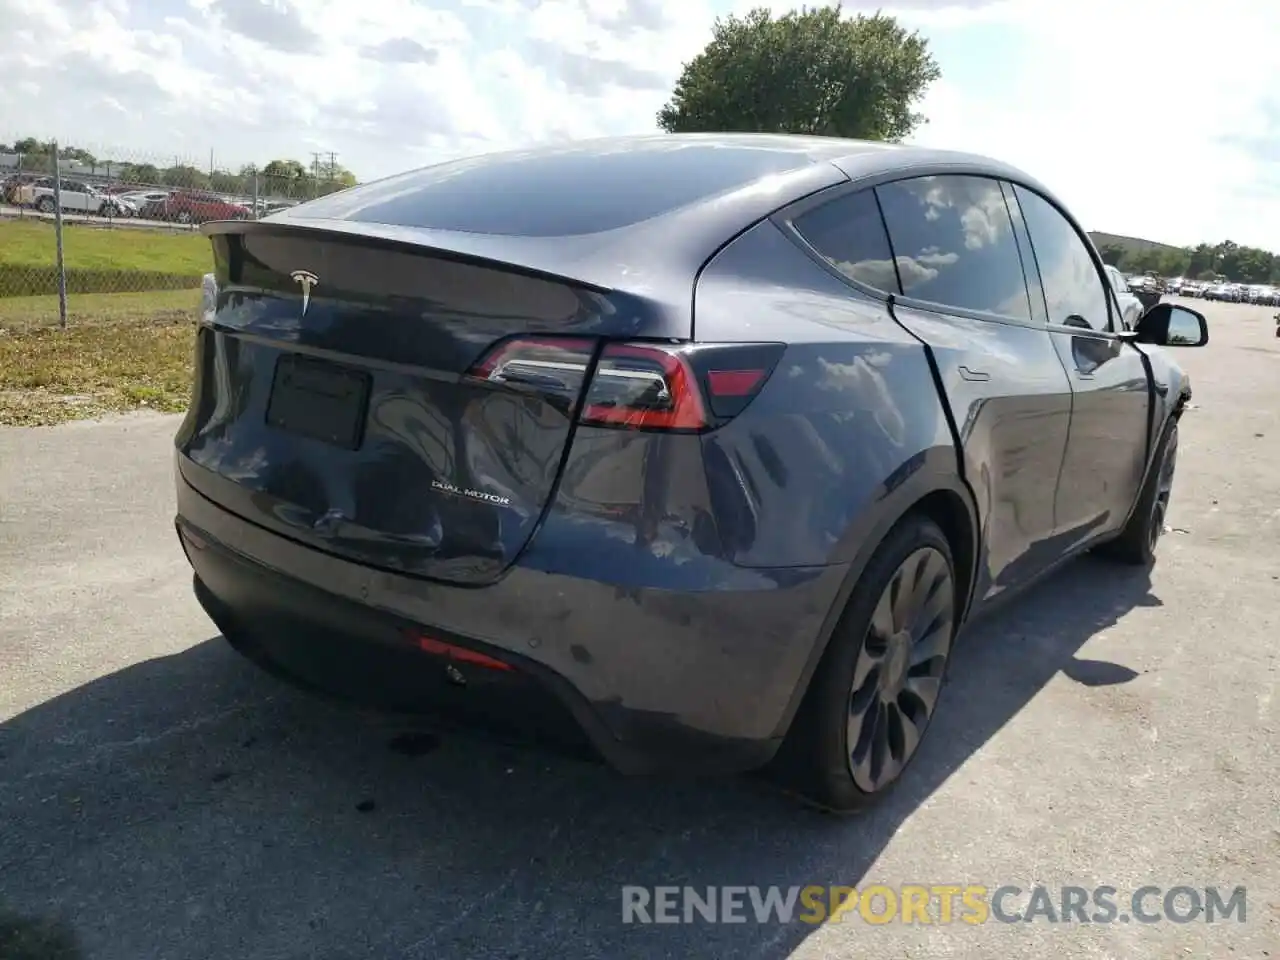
1136 544
893 675
45 205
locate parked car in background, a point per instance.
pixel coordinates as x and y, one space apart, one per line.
24 192
1131 308
77 196
191 206
12 186
143 199
1262 294
472 450
1148 288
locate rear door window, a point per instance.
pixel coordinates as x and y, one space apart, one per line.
849 234
954 243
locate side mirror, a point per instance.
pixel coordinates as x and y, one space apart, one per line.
1171 325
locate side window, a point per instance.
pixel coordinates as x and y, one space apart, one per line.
849 234
954 243
1072 287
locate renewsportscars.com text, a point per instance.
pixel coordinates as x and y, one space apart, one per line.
932 904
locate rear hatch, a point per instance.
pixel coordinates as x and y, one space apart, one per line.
341 396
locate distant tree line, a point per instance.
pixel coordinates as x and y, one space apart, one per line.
1203 262
279 178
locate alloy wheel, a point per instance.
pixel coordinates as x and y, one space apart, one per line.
899 671
1164 488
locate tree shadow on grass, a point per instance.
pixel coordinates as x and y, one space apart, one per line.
191 804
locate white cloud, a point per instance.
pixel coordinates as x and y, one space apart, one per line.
1155 119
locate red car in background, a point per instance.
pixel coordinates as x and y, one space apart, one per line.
193 206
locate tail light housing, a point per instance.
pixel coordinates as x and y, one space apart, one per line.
634 385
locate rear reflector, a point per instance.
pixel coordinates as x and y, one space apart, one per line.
734 383
459 654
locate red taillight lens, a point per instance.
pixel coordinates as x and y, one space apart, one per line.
644 387
639 386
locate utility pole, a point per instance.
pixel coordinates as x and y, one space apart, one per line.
333 166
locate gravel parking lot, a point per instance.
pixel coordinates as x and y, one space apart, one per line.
163 799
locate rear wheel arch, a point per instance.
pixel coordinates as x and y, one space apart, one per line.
958 521
947 503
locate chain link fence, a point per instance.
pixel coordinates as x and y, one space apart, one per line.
97 234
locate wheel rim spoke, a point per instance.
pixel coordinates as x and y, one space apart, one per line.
862 748
882 619
1164 488
910 734
897 677
924 690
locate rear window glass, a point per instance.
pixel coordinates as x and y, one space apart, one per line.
556 193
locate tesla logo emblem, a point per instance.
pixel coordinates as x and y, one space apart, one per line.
306 280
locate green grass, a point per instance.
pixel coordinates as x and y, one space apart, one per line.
98 259
19 314
130 320
90 247
119 352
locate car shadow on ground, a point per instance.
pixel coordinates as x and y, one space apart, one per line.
192 803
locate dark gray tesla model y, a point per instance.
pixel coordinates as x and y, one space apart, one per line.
701 447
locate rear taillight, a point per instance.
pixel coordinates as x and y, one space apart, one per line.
552 366
639 386
644 386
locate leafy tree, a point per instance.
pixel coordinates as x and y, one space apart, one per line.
285 170
1111 254
184 175
1226 260
808 71
223 181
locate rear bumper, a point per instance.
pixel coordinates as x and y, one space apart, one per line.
654 680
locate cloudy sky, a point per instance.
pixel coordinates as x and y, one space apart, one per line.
1155 119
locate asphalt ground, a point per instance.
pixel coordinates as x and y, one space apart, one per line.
160 798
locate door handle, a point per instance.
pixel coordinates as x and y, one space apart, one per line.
975 375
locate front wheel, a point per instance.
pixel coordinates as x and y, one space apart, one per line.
874 694
1137 542
45 205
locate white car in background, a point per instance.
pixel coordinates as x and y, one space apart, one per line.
80 197
1130 306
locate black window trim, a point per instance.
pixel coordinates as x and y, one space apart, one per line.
1030 265
1113 312
785 218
